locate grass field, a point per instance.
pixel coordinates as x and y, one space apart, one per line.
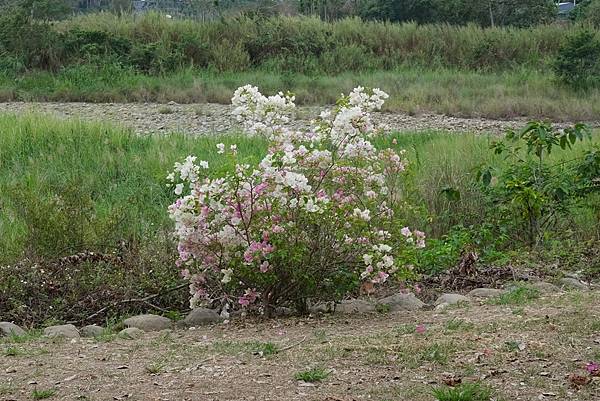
519 92
71 185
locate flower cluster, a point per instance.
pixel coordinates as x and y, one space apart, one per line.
316 216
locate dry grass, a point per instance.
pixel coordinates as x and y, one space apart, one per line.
527 353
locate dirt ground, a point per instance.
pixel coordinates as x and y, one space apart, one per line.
201 119
535 350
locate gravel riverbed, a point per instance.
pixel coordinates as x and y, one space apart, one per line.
202 119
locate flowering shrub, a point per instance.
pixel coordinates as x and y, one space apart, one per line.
312 221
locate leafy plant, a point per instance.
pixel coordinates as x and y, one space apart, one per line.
531 192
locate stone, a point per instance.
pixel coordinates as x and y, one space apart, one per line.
64 330
322 307
485 293
352 306
202 316
283 311
441 307
10 329
131 333
91 330
451 299
573 284
148 322
544 287
401 301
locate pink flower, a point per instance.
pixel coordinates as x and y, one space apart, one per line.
264 266
249 297
260 188
420 329
248 257
381 277
593 368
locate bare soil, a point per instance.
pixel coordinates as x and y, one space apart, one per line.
535 351
201 119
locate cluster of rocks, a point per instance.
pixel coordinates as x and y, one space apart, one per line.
208 118
136 326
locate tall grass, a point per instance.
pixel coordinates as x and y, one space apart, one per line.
521 92
310 44
68 186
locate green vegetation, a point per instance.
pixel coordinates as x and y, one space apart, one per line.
412 90
485 13
153 44
463 392
578 60
313 375
98 195
452 69
42 394
518 295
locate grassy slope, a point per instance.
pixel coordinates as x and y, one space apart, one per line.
413 90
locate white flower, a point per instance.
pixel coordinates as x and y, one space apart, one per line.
388 261
312 207
226 275
203 164
362 214
368 259
178 189
220 148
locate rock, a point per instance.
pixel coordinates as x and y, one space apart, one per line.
544 287
441 306
202 316
10 329
352 306
323 307
283 311
451 299
486 292
148 322
398 302
64 330
91 331
573 284
131 333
